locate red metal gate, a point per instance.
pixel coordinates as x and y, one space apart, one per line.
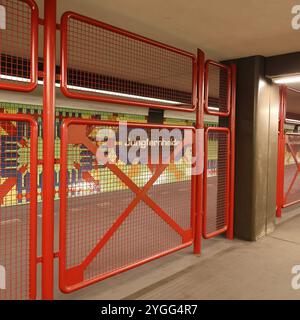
288 181
18 160
117 216
292 169
103 63
219 145
19 46
216 182
155 209
18 210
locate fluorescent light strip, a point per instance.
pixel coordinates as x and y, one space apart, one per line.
286 80
214 108
123 95
118 94
292 121
19 79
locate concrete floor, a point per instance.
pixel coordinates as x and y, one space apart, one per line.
225 270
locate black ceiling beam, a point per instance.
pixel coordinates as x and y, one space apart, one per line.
281 65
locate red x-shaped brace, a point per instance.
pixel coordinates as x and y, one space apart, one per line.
78 134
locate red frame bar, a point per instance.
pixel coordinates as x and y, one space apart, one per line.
33 195
63 205
281 152
29 86
206 85
199 178
64 65
48 149
228 179
230 231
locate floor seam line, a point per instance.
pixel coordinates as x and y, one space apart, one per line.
285 240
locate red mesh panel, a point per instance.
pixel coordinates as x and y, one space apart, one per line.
217 89
105 227
292 169
18 45
17 210
292 106
216 181
114 65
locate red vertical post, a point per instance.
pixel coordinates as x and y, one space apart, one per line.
199 178
48 147
230 230
281 152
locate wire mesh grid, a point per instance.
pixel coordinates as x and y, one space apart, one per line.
98 202
292 169
111 64
217 181
218 92
14 219
292 99
16 43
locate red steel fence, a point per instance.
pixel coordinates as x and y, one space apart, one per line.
18 222
114 215
218 85
114 65
291 169
19 46
288 185
218 185
126 216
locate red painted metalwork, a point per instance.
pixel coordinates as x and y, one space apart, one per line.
216 218
124 67
281 153
292 186
48 148
19 234
20 38
199 177
121 240
220 93
230 231
288 183
217 88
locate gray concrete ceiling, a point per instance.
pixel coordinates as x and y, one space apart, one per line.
223 29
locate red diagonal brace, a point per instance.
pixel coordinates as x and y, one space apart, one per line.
9 183
141 195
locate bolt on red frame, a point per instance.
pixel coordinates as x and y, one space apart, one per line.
13 275
116 40
17 23
78 269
